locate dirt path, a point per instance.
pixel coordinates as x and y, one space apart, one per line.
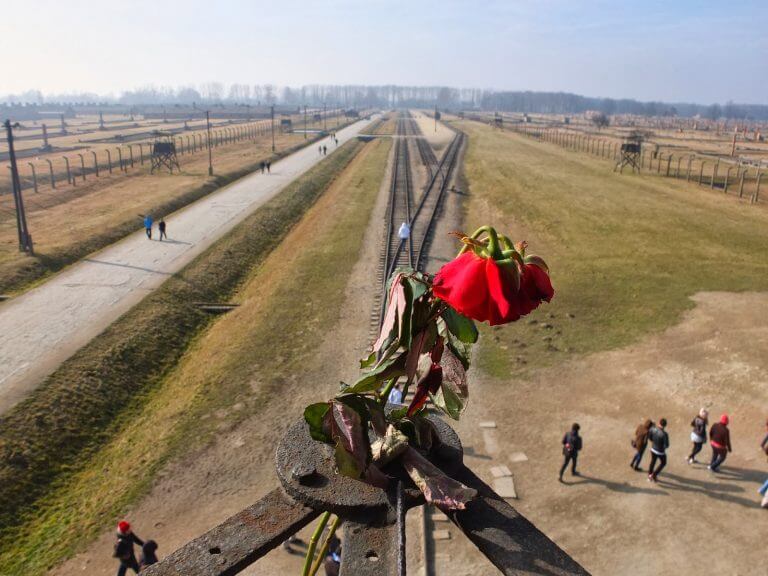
612 519
48 324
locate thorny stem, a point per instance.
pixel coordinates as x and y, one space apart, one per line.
313 543
326 544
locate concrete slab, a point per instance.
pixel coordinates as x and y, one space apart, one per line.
505 487
441 534
500 471
488 424
518 457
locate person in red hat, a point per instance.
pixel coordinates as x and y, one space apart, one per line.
124 548
720 440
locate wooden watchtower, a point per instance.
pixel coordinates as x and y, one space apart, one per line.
164 153
630 153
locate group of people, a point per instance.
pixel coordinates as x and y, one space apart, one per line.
322 150
126 554
266 165
654 435
149 222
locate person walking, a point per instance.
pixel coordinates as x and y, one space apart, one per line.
404 232
161 229
269 167
763 490
640 442
320 150
571 447
698 434
148 225
396 394
720 441
124 548
148 554
263 165
325 150
659 440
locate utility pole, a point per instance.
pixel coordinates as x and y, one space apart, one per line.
325 115
305 121
272 115
25 239
210 154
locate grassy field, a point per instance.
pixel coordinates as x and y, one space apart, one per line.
126 398
70 223
625 252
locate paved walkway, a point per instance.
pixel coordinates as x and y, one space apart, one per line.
46 325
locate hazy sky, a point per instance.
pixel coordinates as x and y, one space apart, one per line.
672 50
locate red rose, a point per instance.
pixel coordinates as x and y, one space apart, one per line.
479 288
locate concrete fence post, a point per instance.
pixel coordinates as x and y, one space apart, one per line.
95 164
109 160
756 195
69 172
130 154
741 182
34 176
120 158
701 171
82 166
727 177
669 161
50 171
688 171
714 175
141 153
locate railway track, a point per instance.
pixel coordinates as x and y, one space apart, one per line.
420 216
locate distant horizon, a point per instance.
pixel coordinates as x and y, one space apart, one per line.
26 96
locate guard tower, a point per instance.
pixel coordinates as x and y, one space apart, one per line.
164 153
630 153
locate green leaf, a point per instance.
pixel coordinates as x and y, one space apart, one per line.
460 326
371 381
346 462
315 414
370 361
461 350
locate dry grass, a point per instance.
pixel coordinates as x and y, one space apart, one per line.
626 252
129 402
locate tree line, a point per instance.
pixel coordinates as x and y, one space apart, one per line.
383 96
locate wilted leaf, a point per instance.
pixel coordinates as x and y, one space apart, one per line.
440 490
429 384
350 439
453 394
315 414
394 294
392 445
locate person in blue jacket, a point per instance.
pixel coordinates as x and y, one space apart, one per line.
148 225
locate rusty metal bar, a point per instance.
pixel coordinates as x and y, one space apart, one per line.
370 547
511 542
240 540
